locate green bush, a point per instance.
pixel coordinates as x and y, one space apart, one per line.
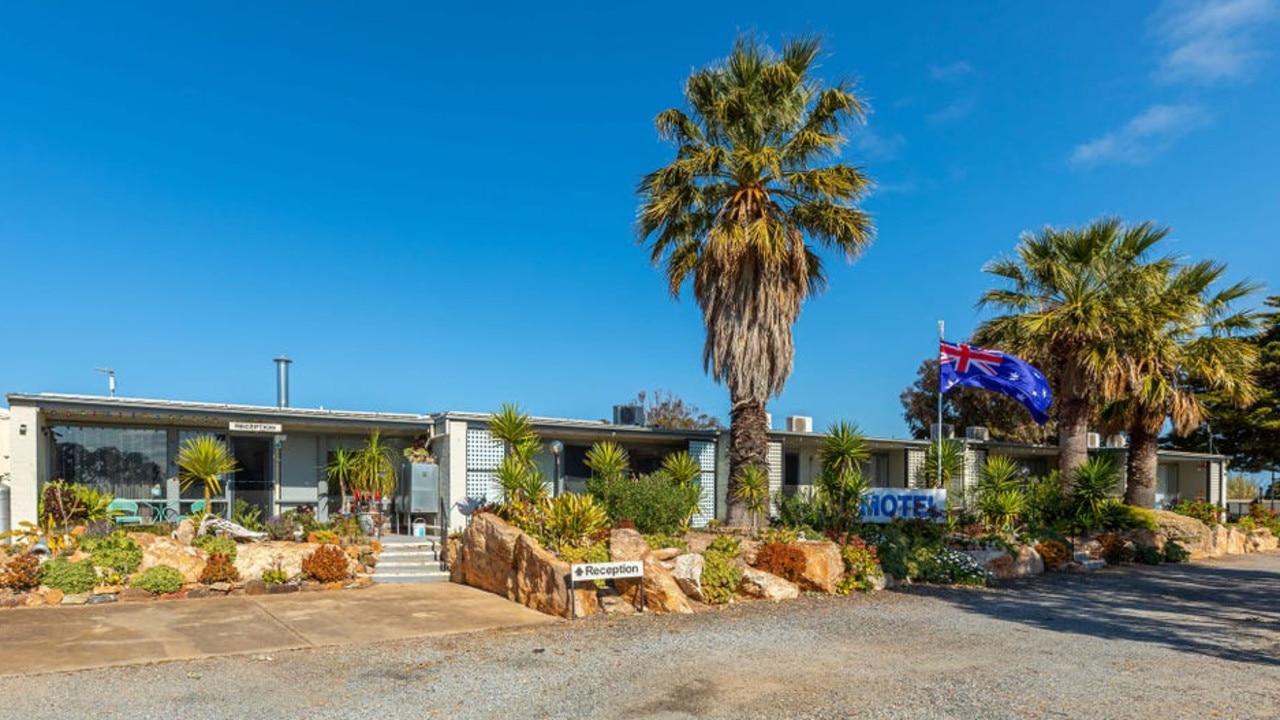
69 577
274 576
1148 555
660 540
720 572
214 545
654 503
861 566
117 553
1175 553
917 550
1115 516
160 580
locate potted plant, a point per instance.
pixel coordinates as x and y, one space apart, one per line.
373 478
419 452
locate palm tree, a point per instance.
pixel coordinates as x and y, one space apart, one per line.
1066 305
204 459
374 468
1184 339
342 468
751 196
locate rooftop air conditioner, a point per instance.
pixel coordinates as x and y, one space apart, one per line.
977 432
800 423
948 431
1093 440
1117 441
628 415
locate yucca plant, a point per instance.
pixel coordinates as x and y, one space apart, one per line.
608 461
342 468
515 429
950 455
1096 482
752 490
681 468
204 459
574 520
841 483
1001 499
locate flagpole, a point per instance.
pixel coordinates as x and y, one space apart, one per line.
937 461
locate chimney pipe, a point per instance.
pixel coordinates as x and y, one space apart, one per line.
282 381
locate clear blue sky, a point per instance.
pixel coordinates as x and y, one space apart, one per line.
432 208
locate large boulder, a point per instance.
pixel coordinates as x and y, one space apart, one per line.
688 575
761 585
823 566
1262 540
497 557
253 559
160 550
1224 540
540 583
661 591
627 544
1188 532
489 555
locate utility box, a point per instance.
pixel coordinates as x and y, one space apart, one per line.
419 489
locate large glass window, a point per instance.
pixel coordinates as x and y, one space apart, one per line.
126 462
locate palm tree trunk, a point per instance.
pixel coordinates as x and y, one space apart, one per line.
748 445
1073 437
1140 489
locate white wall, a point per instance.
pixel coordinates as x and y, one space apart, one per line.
5 442
25 463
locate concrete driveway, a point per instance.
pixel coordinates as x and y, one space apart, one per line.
56 639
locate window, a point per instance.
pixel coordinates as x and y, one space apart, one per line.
125 462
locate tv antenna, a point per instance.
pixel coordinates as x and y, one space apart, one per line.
111 379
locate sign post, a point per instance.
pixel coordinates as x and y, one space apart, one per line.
590 572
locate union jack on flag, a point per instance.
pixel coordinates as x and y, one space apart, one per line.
970 365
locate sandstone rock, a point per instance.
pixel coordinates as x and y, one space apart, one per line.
1261 540
542 583
53 597
199 593
186 531
665 554
764 586
1028 562
130 594
255 587
158 550
283 589
1190 533
108 589
488 555
76 599
627 544
662 594
1225 540
614 604
219 587
253 559
823 566
688 575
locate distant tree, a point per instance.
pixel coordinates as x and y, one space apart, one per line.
1240 487
1250 436
665 410
1005 417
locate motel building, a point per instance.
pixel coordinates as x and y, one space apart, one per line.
129 447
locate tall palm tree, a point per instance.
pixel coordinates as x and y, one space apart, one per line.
1065 304
753 193
204 459
1185 339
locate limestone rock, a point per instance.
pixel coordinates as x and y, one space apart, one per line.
765 586
1028 562
76 599
823 566
662 594
627 544
1225 540
158 550
688 575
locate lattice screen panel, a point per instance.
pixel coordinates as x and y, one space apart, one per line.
915 466
705 455
775 476
484 455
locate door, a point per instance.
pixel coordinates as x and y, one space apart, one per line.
252 481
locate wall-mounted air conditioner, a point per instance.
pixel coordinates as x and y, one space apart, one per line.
800 423
1119 440
1093 440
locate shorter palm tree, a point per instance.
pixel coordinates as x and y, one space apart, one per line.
943 462
205 459
342 468
374 469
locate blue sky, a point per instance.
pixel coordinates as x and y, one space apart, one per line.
432 208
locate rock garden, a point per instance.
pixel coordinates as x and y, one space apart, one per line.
522 546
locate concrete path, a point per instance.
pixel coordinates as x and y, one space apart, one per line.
55 639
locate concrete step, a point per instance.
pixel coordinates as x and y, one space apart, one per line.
386 576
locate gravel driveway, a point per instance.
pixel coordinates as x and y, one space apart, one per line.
1191 641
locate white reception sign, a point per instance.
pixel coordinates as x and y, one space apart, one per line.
255 427
582 572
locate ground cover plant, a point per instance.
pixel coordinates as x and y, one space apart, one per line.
160 580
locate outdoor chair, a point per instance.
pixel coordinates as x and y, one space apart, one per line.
124 512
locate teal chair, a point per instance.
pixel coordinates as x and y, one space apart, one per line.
197 507
124 512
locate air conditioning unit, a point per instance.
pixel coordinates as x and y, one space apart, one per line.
628 415
977 432
768 420
800 423
1119 440
1093 440
948 431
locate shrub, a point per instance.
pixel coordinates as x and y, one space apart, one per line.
784 535
654 503
1265 517
1115 549
65 504
117 553
785 561
1202 510
861 566
660 540
1114 516
219 569
720 572
1046 504
327 564
278 528
1148 555
1054 554
214 545
346 527
160 528
274 576
323 537
598 552
1175 553
956 568
161 580
21 573
573 520
69 577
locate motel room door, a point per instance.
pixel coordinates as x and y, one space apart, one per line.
252 482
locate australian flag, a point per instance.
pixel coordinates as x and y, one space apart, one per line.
962 364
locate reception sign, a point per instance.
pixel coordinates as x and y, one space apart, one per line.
881 505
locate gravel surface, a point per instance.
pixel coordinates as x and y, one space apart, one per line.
1170 642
